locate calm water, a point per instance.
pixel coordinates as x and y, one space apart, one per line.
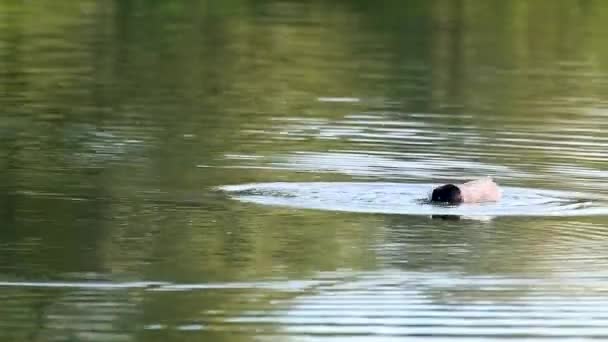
251 170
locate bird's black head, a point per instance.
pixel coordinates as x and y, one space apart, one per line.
448 193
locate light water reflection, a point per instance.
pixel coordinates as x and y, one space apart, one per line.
413 199
119 121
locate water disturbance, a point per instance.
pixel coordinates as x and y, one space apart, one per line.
413 199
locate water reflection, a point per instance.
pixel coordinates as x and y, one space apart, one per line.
413 199
119 120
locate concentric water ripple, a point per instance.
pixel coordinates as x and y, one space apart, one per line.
411 199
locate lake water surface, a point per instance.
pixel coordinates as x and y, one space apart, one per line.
256 170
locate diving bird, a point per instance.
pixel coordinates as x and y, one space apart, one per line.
477 191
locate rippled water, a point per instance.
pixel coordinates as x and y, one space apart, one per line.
256 170
413 199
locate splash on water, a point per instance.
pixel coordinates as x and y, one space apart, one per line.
412 199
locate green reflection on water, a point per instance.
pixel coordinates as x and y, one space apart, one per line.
116 119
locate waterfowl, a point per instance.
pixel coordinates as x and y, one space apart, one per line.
477 191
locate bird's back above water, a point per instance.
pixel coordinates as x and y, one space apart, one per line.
477 191
480 190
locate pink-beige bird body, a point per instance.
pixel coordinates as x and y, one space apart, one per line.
477 191
480 190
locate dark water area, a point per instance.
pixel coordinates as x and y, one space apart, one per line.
251 170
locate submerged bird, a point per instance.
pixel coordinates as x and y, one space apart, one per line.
477 191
